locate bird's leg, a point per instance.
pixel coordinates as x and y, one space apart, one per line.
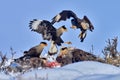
80 35
73 27
69 42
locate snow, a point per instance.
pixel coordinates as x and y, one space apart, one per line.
90 67
3 76
86 70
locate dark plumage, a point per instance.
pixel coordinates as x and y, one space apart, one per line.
72 55
34 51
80 55
83 24
65 14
43 27
48 31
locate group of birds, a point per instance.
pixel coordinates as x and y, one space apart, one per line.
50 33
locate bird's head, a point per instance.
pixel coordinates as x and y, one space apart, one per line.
43 44
91 28
64 50
64 29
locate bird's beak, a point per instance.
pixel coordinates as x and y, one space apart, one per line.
46 44
66 30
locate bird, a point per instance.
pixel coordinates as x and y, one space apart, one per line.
82 35
64 15
83 24
43 27
47 30
65 56
53 48
71 55
34 51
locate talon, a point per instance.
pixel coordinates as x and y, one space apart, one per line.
73 27
69 42
80 35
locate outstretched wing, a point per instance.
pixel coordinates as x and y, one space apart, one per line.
65 14
43 27
91 27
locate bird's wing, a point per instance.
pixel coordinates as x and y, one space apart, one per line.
32 51
65 14
75 24
43 27
35 25
91 27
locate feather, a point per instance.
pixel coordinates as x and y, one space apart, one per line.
82 35
64 15
47 30
83 24
43 27
53 48
34 24
34 51
91 27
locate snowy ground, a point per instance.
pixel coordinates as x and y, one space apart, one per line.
87 70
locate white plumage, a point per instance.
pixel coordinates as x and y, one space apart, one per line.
57 18
53 48
47 30
35 24
85 25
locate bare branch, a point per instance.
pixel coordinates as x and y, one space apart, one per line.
12 52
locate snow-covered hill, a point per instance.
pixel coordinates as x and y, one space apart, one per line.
86 70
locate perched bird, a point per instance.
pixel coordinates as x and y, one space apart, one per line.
80 55
71 55
83 24
65 56
34 51
48 31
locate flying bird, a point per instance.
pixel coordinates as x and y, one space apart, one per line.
47 30
64 15
83 24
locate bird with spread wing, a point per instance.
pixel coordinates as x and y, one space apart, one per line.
47 30
83 24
